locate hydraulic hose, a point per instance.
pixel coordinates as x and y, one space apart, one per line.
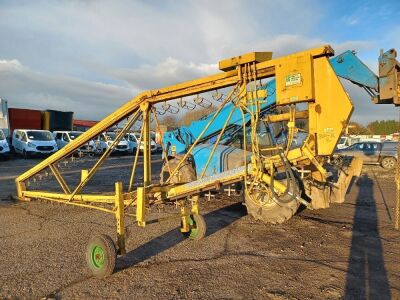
290 180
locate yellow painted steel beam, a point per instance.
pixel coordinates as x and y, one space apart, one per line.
233 62
147 145
135 161
141 206
80 205
303 114
60 179
80 197
120 218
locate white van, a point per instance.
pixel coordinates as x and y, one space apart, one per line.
133 140
4 148
104 141
31 142
62 138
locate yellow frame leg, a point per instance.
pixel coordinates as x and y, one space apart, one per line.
141 206
195 205
120 218
184 217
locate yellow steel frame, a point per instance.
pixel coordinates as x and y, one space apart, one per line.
324 131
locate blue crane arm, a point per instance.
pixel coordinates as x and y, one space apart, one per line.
348 66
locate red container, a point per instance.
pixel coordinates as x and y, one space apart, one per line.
24 119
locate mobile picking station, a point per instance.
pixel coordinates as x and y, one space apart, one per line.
277 173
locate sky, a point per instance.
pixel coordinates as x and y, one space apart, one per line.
91 56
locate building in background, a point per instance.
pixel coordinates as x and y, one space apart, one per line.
55 120
83 125
4 121
21 118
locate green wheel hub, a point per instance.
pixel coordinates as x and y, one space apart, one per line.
101 255
197 227
98 257
194 230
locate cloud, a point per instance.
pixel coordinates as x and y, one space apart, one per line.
30 89
351 20
78 54
173 70
168 72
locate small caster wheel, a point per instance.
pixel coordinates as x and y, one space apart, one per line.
198 228
101 255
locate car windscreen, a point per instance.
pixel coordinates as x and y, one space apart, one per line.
2 137
342 140
74 134
40 135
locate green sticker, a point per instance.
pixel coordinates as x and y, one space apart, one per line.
293 79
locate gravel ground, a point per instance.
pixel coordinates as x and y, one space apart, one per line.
348 251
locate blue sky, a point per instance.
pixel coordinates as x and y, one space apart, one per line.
92 56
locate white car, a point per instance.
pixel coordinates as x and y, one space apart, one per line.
4 148
104 141
62 138
133 140
32 142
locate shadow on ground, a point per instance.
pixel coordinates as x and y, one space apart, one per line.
366 274
215 220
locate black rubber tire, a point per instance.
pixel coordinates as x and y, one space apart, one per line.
24 154
271 211
198 228
388 163
109 255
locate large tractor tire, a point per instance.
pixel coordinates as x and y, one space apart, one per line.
262 207
269 211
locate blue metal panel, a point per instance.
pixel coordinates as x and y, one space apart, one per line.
197 126
348 66
219 161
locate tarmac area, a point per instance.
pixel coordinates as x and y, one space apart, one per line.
348 251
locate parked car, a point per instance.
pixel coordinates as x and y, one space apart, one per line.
382 153
103 142
62 138
133 140
4 148
29 142
154 139
346 141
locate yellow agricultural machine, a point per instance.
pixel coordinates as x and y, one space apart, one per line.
271 137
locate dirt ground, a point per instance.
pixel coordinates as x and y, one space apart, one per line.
348 251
